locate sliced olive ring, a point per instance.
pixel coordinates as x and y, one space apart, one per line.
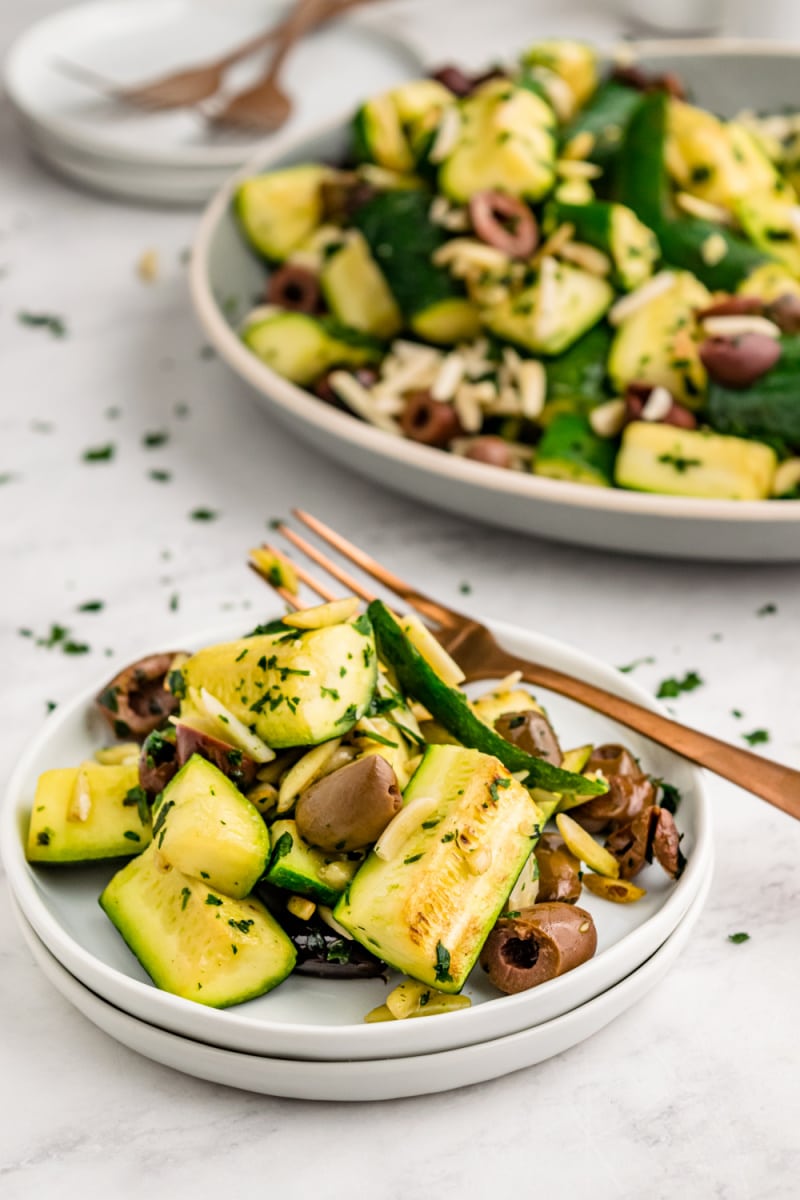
136 701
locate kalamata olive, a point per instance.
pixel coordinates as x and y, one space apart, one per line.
532 732
540 943
636 397
642 81
733 306
136 701
233 762
666 843
490 449
785 312
350 808
559 870
738 362
453 78
429 421
158 760
632 843
295 288
505 222
629 790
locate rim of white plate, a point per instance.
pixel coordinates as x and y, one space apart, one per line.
349 428
78 960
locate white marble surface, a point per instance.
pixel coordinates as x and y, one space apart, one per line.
693 1093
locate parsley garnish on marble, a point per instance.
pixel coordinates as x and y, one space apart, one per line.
668 689
738 938
203 514
757 737
99 453
91 606
49 321
159 476
767 610
637 662
158 437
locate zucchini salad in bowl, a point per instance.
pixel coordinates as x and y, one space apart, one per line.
552 269
320 797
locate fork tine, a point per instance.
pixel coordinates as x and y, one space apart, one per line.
418 600
323 561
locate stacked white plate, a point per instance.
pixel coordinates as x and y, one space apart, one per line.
178 157
307 1039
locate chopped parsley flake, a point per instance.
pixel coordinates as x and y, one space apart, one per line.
131 836
498 783
442 972
91 606
465 588
212 899
757 737
670 688
159 476
738 938
154 439
138 796
50 321
637 662
244 926
767 610
331 693
100 453
174 602
185 894
203 514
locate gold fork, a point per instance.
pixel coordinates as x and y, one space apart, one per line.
480 656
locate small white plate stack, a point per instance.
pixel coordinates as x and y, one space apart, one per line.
307 1039
178 157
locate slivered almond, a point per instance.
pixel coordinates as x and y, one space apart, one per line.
736 325
631 303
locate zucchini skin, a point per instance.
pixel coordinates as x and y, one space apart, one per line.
450 708
769 410
576 380
606 117
643 184
403 239
571 450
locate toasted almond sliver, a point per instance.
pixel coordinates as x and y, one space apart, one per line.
608 419
569 168
584 847
308 768
320 616
657 405
734 326
448 377
447 135
696 207
390 844
631 303
621 891
588 258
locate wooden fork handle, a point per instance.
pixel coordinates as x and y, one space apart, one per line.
773 782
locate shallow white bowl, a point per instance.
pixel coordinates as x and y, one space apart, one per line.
368 1079
323 1019
724 75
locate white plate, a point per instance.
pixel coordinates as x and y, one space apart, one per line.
723 75
375 1079
133 40
323 1019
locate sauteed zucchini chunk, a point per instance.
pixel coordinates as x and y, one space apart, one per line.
356 289
279 210
195 941
291 688
617 231
304 870
403 240
506 142
205 827
88 812
658 342
551 314
301 347
686 462
426 898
